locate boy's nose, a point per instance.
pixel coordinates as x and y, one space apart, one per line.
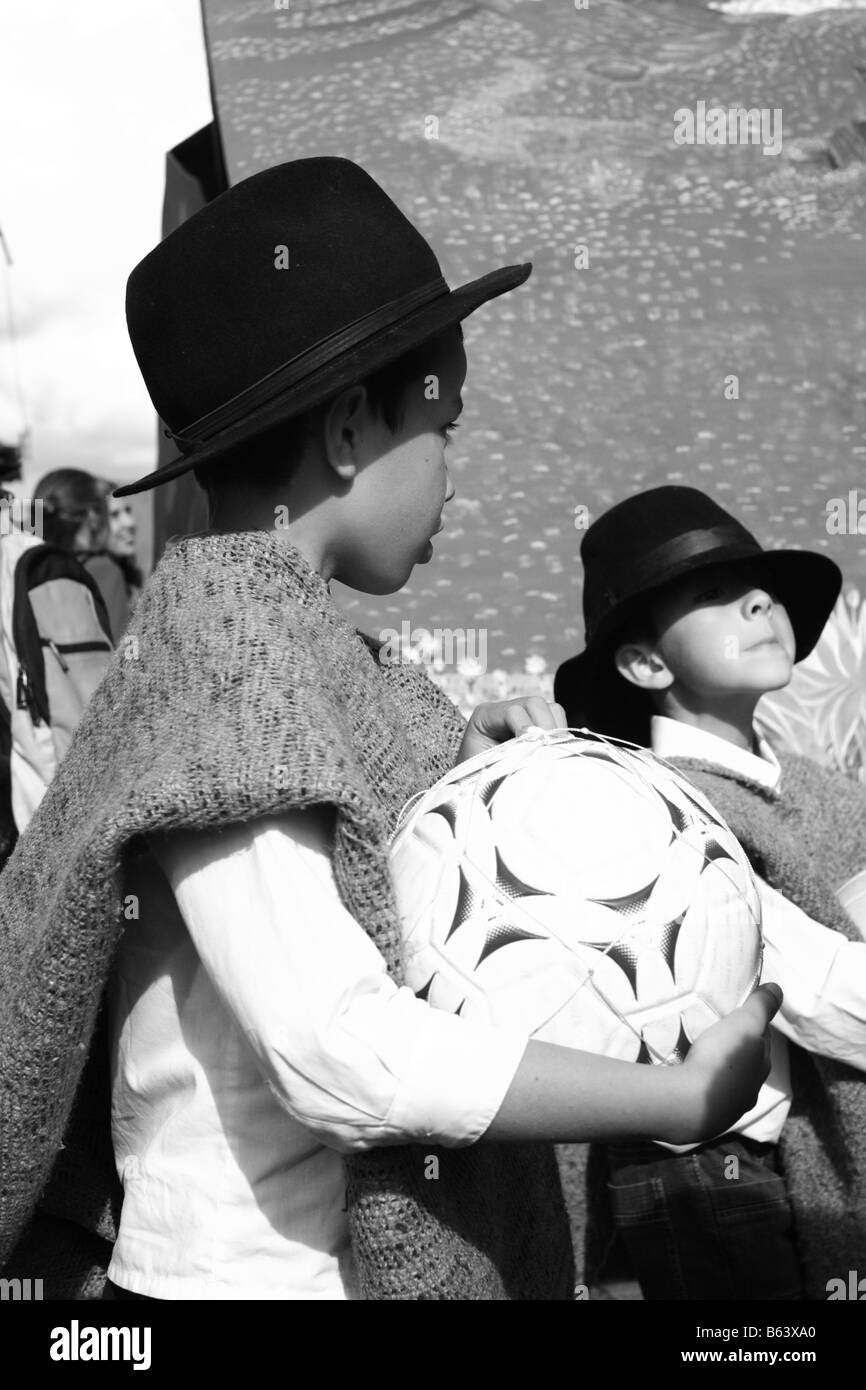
451 489
759 602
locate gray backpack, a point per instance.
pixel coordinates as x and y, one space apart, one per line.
55 644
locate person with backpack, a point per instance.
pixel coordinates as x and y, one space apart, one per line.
55 646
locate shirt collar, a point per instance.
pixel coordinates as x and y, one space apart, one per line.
672 739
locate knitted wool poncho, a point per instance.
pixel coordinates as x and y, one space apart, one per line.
806 840
241 690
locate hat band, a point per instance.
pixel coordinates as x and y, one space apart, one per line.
688 546
655 568
269 387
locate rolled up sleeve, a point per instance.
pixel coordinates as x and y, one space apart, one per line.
358 1060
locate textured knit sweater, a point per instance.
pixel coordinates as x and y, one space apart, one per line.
806 840
239 691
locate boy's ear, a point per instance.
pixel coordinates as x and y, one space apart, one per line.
641 665
341 428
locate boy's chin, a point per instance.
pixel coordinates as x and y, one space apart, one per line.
367 579
778 684
774 677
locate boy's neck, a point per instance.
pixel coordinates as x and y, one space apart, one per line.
258 517
735 725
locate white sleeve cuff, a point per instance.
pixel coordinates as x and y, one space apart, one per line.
455 1078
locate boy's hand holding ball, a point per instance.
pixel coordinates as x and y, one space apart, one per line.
725 1069
498 720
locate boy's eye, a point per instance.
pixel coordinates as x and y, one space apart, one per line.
708 595
448 430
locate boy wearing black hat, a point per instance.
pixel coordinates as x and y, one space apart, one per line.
689 622
228 799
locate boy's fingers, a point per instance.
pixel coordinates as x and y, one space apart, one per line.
517 719
540 712
507 718
763 1004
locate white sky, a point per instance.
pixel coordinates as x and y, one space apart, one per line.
93 93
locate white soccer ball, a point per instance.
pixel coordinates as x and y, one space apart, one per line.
580 889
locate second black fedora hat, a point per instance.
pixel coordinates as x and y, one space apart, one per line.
278 294
631 553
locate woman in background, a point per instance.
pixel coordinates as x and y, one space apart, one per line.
122 541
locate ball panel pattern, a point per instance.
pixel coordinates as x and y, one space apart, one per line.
581 890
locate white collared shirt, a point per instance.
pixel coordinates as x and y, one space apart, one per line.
673 739
822 973
256 1037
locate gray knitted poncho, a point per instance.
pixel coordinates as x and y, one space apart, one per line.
241 690
806 840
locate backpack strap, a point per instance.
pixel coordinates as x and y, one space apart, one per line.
8 828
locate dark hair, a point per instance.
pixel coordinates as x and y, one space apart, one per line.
639 627
132 571
69 496
269 458
631 707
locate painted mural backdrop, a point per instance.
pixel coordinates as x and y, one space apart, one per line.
698 306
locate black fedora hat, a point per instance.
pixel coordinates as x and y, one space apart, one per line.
630 553
278 294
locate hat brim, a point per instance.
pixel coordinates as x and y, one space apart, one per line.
594 694
367 357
